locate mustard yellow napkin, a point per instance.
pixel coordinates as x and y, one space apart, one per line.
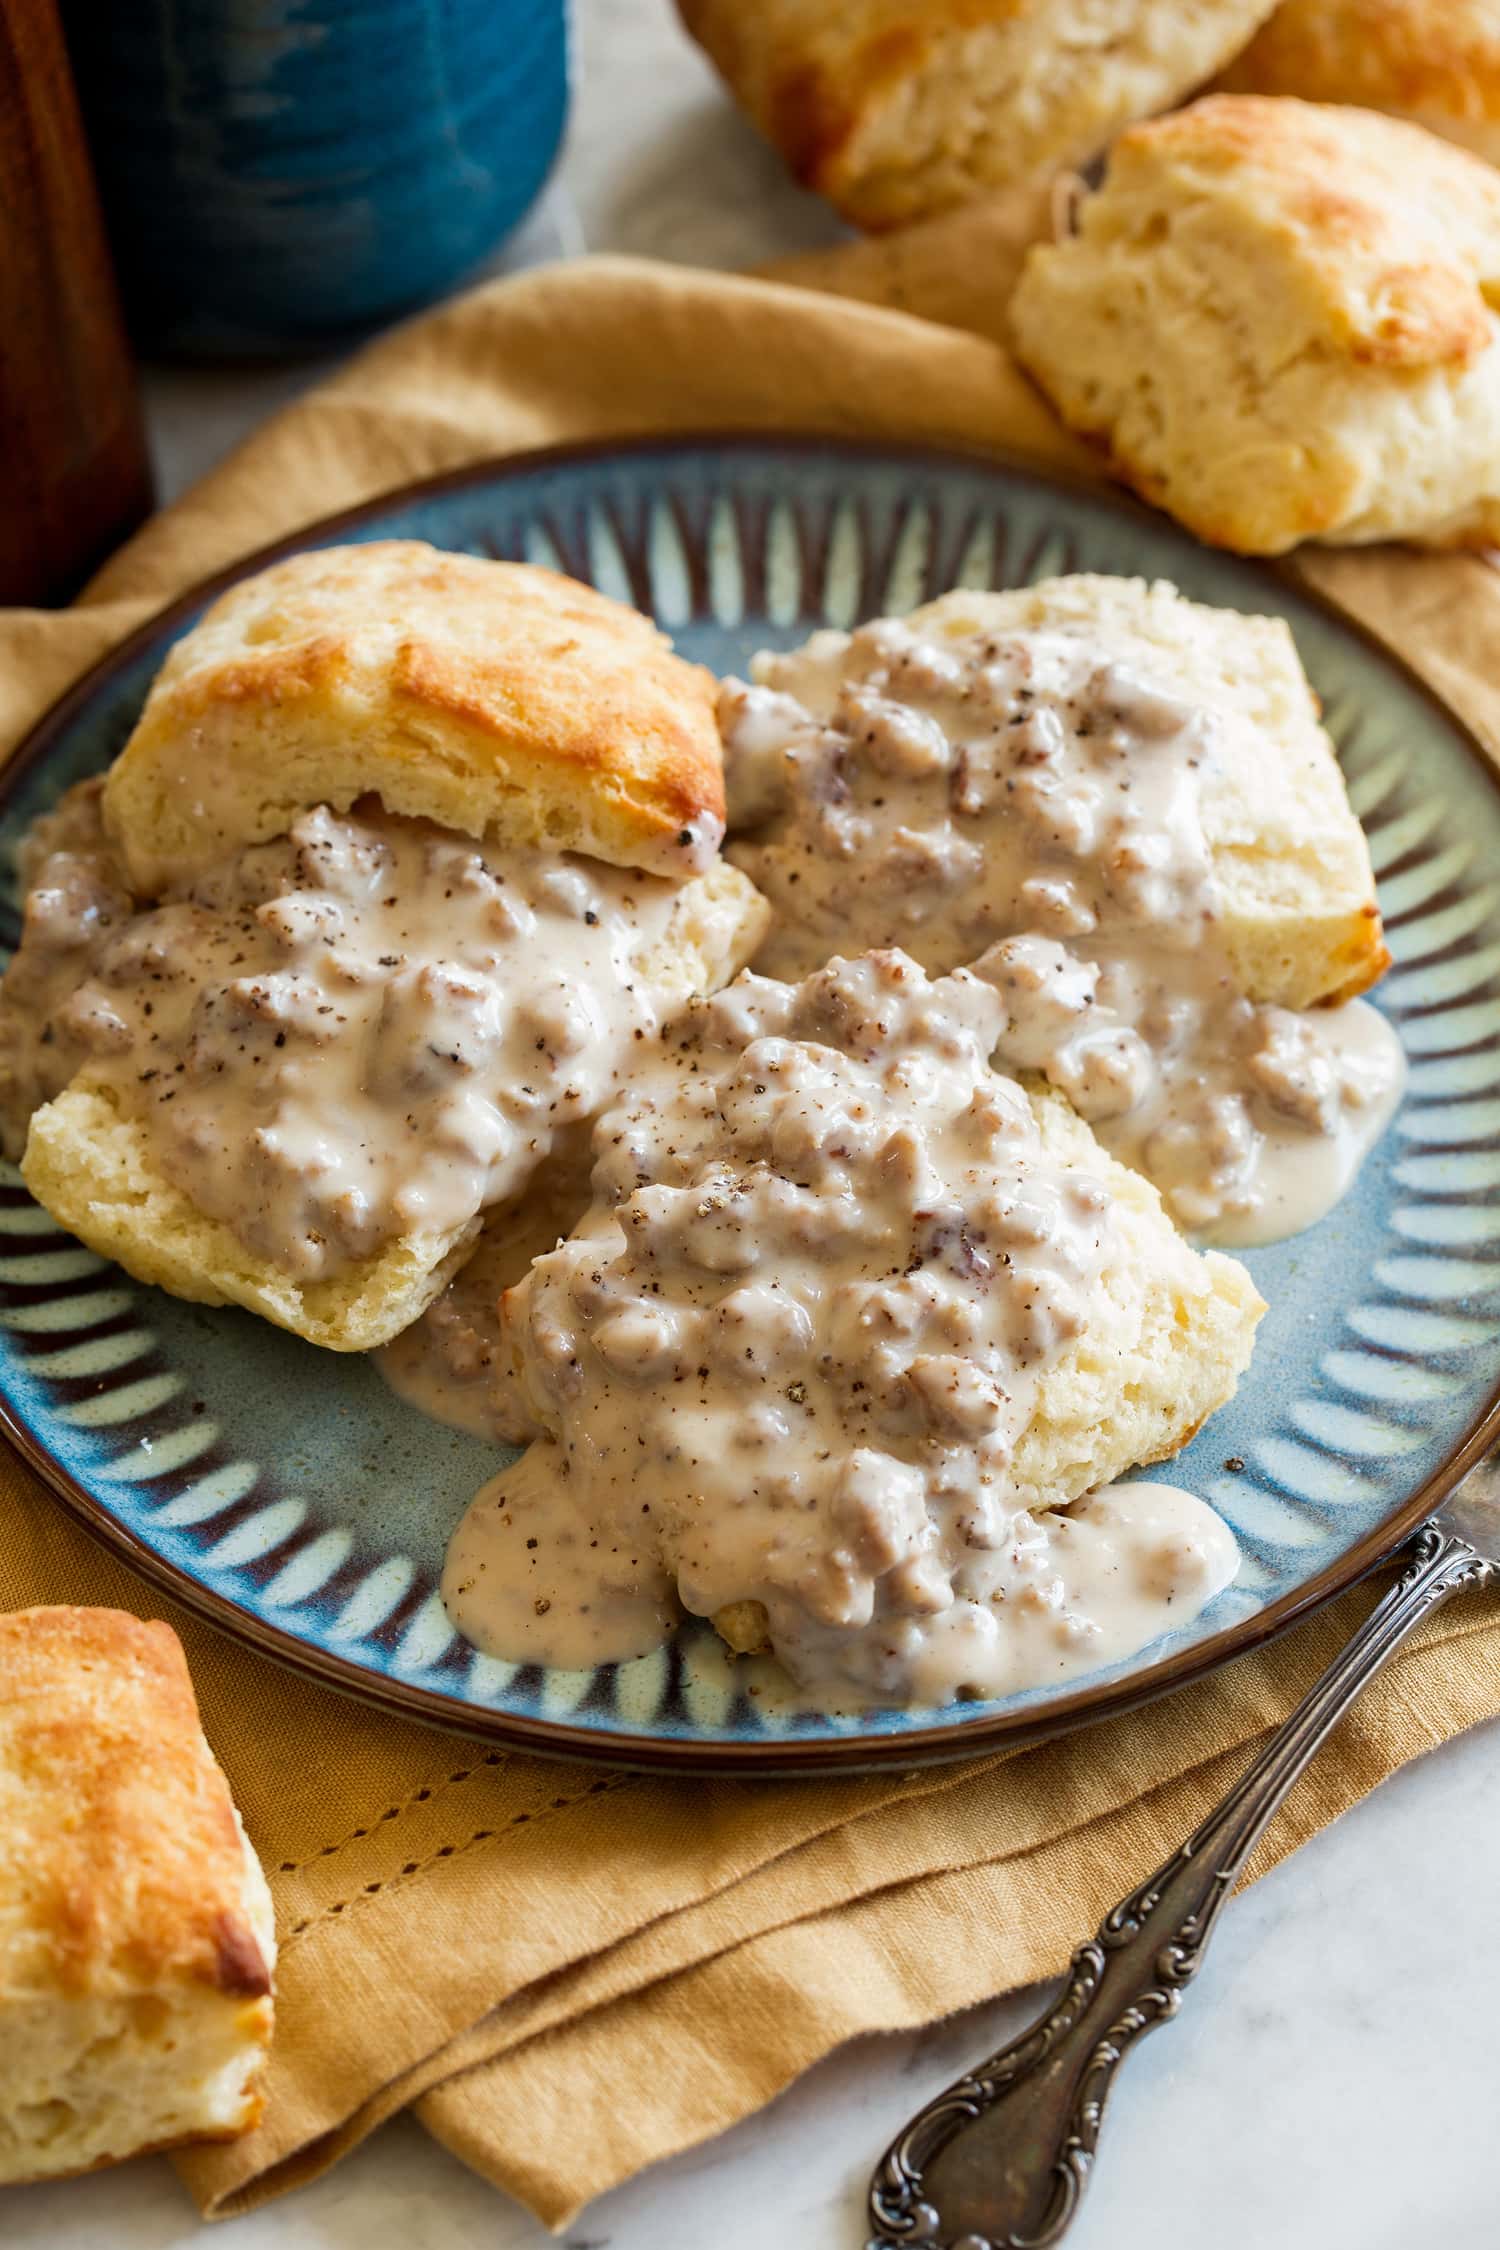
500 1941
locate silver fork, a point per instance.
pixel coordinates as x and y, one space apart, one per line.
1000 2159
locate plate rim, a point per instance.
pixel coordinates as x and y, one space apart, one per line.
789 1755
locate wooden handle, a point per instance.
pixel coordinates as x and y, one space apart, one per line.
76 472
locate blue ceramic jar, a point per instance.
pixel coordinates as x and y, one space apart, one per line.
276 172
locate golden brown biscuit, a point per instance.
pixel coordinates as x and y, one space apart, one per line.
136 1938
1434 62
489 696
1276 319
895 109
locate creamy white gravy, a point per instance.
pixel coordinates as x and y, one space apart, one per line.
370 1027
529 1579
1073 1590
1030 804
784 1365
454 1364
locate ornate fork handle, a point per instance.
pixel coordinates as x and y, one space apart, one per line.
1000 2159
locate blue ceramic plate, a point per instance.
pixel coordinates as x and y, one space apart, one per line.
282 1492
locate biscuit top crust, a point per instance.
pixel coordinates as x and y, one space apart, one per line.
1438 59
808 75
491 696
121 1861
897 109
1377 241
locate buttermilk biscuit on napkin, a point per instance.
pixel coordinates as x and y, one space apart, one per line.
1276 320
279 1028
896 109
1435 62
136 1936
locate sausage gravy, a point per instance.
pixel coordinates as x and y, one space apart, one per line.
370 1027
786 1359
1030 803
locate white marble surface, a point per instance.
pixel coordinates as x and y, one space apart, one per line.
1333 2080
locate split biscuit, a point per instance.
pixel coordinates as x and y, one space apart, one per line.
91 1164
1295 902
136 1933
496 698
1170 1332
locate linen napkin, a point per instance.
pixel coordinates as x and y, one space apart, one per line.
499 1941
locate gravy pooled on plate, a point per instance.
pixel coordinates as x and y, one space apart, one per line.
788 1360
1031 803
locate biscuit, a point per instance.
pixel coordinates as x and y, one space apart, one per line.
90 1164
1168 1337
1297 910
136 1936
1434 62
1276 320
1296 895
492 697
847 1300
1170 1332
897 109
